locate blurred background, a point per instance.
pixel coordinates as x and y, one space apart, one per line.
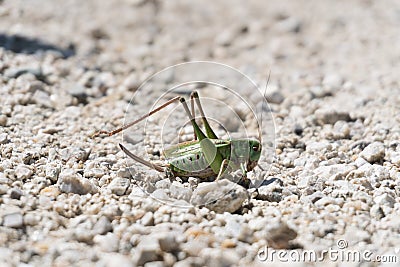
356 40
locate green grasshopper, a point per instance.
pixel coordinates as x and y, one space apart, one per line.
206 156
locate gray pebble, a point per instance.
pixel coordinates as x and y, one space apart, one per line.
160 194
147 250
163 184
190 261
4 138
119 186
3 120
31 219
114 260
279 235
178 191
147 219
290 24
52 172
70 182
333 81
385 199
107 243
376 212
78 91
330 116
271 192
13 220
373 152
102 226
3 189
275 97
42 98
221 196
168 242
23 172
218 258
226 37
334 172
16 72
155 264
16 193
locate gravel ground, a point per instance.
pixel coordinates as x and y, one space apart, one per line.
70 68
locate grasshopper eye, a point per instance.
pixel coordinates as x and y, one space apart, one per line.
255 148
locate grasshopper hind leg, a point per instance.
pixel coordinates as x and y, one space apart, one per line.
209 131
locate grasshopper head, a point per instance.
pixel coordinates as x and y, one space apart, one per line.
247 151
254 154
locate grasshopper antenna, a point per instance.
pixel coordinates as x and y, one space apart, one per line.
262 107
140 160
126 126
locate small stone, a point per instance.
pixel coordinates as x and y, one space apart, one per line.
13 220
190 261
42 98
16 193
78 91
148 250
298 129
279 235
148 219
275 97
4 139
82 234
114 259
102 226
160 194
119 186
325 201
107 243
3 189
94 173
124 173
329 116
163 184
221 196
341 130
374 152
226 37
271 192
385 199
314 197
155 264
215 257
16 72
376 212
360 162
22 172
50 191
132 82
355 235
31 219
395 159
319 92
168 242
52 172
178 191
290 24
3 120
70 182
334 172
333 81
